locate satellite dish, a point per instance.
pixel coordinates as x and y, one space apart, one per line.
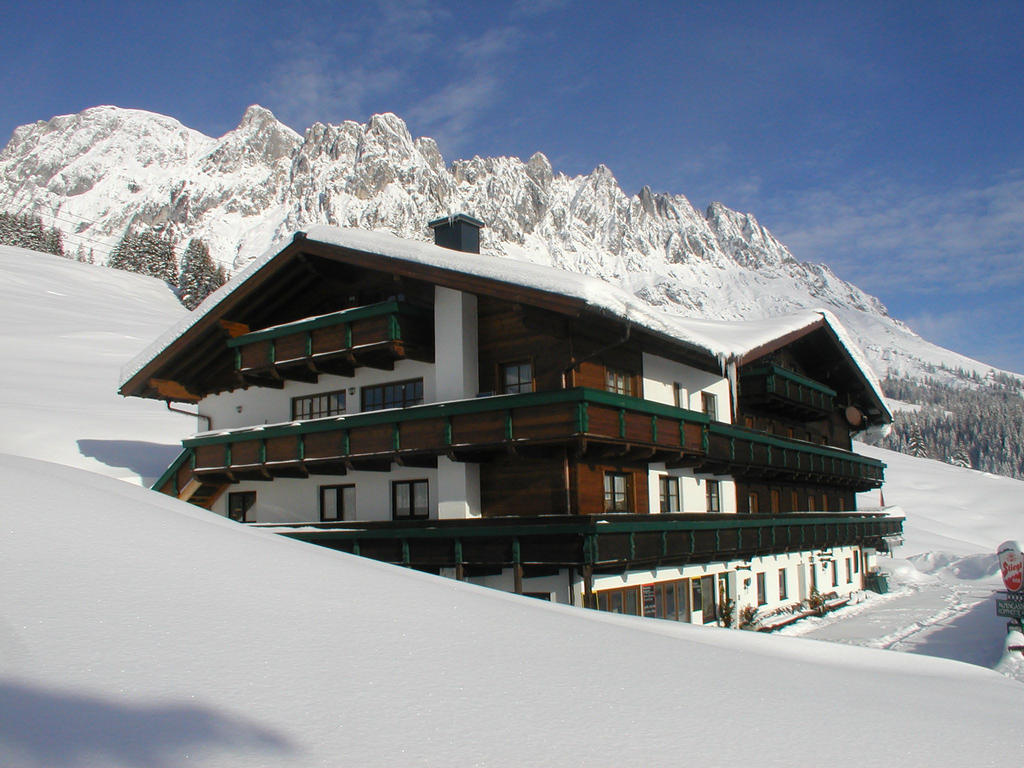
853 416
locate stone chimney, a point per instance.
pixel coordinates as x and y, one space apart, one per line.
458 232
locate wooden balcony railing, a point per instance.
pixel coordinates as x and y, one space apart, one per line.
775 389
592 423
338 343
601 542
751 454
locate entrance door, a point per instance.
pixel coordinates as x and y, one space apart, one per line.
708 593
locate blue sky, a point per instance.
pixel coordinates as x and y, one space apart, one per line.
884 139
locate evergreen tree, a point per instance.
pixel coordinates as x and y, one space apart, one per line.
126 253
25 230
199 275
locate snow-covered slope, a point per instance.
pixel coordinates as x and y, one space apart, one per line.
138 631
950 510
65 330
98 172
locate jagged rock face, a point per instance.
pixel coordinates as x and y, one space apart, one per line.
96 173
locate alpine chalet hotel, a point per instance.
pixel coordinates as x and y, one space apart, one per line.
524 428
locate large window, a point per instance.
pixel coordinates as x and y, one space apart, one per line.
712 493
398 394
317 406
409 499
337 502
516 378
669 494
617 492
239 504
618 382
709 404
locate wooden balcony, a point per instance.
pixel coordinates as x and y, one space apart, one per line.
602 543
749 454
374 336
776 390
591 424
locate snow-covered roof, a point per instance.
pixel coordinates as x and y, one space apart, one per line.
728 341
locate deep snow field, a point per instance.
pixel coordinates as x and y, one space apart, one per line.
136 630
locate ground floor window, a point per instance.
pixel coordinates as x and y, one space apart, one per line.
783 586
663 600
669 494
239 504
849 570
835 573
712 492
762 589
409 499
856 563
337 502
616 492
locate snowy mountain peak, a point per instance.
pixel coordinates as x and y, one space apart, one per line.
97 173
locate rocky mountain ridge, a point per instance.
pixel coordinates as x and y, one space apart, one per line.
106 169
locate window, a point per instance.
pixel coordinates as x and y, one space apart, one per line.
709 404
753 505
856 563
239 504
679 395
824 502
397 395
616 492
516 378
783 586
618 382
337 502
409 499
317 406
810 503
794 501
669 494
762 590
713 496
849 570
835 573
697 603
776 501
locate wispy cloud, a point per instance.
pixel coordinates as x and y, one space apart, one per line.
406 57
880 235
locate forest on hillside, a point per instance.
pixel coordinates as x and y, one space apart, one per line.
979 424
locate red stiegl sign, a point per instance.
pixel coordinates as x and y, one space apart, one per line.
1011 563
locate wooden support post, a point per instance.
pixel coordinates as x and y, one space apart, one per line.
517 567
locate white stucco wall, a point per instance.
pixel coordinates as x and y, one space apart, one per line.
742 577
265 405
295 500
661 377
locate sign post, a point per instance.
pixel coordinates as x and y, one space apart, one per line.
1011 604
